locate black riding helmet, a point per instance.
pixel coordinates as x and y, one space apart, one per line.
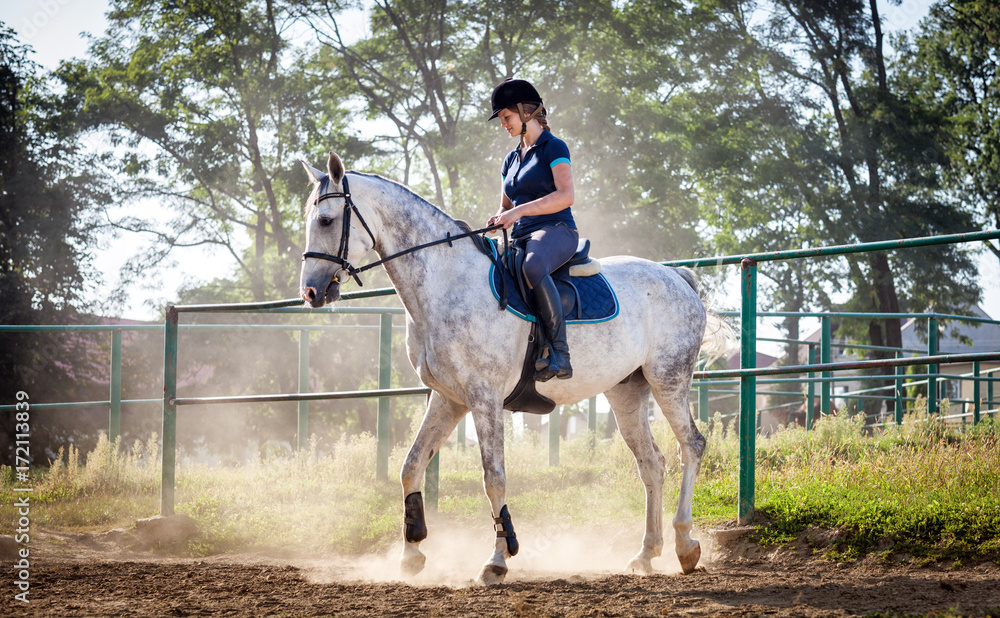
510 92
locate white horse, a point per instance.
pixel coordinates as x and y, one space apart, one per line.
470 354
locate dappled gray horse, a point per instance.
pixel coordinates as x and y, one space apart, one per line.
470 354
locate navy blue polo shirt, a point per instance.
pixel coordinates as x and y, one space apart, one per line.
530 179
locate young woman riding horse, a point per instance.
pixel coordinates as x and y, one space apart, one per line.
536 199
470 353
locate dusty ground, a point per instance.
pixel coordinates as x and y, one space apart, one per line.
83 575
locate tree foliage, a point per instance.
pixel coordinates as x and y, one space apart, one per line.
48 195
208 108
953 64
809 136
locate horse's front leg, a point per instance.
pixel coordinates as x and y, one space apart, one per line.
439 421
489 430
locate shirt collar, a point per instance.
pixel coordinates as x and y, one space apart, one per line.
542 139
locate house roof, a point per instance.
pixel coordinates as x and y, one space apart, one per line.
763 360
984 337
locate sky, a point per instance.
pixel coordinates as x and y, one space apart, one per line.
54 28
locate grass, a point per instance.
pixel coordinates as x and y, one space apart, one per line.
924 489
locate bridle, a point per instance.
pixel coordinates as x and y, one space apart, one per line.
345 237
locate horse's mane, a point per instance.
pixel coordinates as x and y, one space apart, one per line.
406 192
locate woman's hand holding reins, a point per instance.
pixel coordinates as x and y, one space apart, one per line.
507 218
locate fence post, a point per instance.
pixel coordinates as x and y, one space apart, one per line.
975 393
383 415
811 389
825 356
460 438
592 421
748 388
554 436
169 455
115 417
302 441
932 350
899 391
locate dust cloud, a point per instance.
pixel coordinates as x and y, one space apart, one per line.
456 553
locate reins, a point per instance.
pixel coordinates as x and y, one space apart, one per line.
341 257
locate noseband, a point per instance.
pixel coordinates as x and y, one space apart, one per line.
341 257
345 236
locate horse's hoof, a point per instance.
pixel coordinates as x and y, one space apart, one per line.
639 566
690 560
492 574
412 564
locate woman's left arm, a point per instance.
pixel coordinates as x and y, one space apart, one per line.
560 199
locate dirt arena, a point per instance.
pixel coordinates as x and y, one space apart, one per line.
77 575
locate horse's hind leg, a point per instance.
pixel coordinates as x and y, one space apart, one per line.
440 419
671 393
628 401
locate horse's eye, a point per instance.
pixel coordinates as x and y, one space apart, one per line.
325 221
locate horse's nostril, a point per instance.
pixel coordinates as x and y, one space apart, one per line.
309 294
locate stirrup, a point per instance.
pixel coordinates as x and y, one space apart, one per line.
546 372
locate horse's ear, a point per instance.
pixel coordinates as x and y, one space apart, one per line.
315 176
336 168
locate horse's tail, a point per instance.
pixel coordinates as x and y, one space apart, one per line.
720 338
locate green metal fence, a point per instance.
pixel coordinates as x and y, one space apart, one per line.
748 320
747 375
826 345
384 393
114 402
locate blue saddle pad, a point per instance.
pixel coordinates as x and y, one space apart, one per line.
597 300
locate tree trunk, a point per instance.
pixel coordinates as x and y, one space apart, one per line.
884 332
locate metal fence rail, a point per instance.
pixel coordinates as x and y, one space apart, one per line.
746 376
115 402
748 340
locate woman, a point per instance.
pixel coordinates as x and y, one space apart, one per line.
536 196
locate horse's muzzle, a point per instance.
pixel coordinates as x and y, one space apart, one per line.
318 299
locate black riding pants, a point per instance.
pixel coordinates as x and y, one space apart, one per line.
547 249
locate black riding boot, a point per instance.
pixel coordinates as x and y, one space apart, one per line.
549 307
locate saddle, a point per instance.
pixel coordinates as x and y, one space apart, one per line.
586 296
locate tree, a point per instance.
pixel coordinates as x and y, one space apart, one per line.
803 134
953 64
426 69
616 85
47 196
208 109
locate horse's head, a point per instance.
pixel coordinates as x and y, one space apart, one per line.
336 235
